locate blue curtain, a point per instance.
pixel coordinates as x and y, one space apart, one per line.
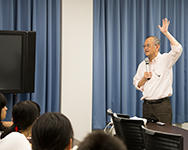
120 28
42 16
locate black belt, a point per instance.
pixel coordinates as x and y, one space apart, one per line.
157 101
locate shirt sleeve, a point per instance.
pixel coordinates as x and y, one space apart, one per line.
138 77
174 54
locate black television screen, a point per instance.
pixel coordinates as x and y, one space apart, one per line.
17 61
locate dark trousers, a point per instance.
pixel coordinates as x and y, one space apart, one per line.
159 110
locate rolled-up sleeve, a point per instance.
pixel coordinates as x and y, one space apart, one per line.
138 77
174 54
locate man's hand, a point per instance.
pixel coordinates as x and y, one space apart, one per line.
164 30
147 75
165 24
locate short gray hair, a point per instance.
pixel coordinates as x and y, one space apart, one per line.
156 40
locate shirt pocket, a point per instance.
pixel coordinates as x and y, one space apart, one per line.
158 70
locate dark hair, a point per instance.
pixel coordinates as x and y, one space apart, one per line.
24 114
98 140
37 105
3 102
51 130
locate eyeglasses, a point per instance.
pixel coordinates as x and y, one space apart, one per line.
147 45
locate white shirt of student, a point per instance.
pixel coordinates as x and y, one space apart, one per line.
15 141
160 85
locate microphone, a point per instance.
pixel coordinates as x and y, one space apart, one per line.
147 65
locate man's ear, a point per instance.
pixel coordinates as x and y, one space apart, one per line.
157 47
69 147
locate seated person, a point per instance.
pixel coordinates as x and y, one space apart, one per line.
98 140
3 112
24 114
52 131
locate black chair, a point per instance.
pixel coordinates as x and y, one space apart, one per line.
157 140
130 131
113 121
109 112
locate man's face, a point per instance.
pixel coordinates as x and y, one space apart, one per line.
150 48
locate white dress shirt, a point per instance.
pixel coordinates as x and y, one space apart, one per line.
160 84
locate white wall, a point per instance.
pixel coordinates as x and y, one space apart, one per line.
76 89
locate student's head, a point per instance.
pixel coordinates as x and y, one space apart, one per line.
52 131
24 113
98 140
37 105
3 108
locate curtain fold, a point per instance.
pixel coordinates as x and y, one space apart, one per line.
120 28
43 17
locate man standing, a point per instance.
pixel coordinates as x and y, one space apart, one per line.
154 76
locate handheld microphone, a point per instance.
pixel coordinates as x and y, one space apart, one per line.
147 65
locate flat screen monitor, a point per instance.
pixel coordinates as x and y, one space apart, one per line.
17 61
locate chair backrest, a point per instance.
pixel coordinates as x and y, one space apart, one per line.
130 131
116 117
157 140
118 128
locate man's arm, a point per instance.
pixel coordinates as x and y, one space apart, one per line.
176 48
140 79
147 75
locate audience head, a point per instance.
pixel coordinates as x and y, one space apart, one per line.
3 109
98 140
24 114
37 105
52 131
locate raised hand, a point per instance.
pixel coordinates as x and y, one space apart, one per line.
165 24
